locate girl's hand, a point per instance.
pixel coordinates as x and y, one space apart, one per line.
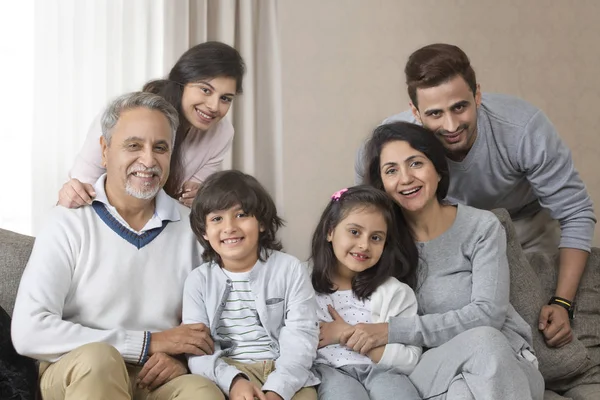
331 332
188 193
362 338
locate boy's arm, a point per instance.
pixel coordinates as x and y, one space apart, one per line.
194 311
298 338
395 299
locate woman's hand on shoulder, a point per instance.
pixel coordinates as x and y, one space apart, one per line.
330 332
188 193
75 194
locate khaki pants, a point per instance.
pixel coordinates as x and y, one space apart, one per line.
538 233
97 371
258 373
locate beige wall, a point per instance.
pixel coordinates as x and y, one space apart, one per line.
343 66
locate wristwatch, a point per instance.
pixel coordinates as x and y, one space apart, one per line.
566 304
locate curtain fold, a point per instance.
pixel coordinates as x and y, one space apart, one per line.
88 52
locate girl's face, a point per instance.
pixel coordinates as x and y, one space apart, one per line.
408 176
205 103
358 240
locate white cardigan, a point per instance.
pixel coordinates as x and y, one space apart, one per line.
394 298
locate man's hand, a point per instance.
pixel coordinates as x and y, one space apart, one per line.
158 370
243 389
362 338
75 194
188 193
191 339
273 396
330 332
555 325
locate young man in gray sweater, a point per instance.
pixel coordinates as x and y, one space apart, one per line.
504 153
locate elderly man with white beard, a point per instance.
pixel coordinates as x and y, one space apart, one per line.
99 303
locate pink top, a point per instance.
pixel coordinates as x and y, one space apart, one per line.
202 153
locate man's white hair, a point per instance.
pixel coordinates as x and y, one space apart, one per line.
136 100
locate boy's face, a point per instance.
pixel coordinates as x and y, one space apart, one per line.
233 235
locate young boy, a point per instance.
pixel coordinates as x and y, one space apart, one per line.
257 301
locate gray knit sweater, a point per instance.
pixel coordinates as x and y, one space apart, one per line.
463 283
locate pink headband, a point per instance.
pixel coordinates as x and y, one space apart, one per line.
336 196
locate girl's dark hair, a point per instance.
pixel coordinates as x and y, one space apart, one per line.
204 61
398 249
419 138
226 189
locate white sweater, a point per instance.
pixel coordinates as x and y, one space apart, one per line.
84 283
391 299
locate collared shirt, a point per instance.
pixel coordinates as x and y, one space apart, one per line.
164 208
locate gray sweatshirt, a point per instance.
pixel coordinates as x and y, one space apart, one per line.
464 283
518 162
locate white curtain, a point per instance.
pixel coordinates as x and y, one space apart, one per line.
89 51
16 69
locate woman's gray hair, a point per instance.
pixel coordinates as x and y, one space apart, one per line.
135 100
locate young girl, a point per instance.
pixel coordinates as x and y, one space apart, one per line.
356 260
201 86
256 300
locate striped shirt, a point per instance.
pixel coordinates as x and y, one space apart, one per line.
240 323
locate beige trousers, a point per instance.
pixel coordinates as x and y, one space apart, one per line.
258 373
538 233
97 371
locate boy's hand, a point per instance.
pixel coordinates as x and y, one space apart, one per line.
273 396
243 389
191 339
330 332
158 370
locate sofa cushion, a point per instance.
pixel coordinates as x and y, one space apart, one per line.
528 297
14 253
584 392
586 323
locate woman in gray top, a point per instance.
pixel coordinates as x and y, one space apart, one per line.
479 347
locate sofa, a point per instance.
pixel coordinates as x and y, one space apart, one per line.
571 372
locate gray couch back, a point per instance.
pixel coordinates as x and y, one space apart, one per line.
14 253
